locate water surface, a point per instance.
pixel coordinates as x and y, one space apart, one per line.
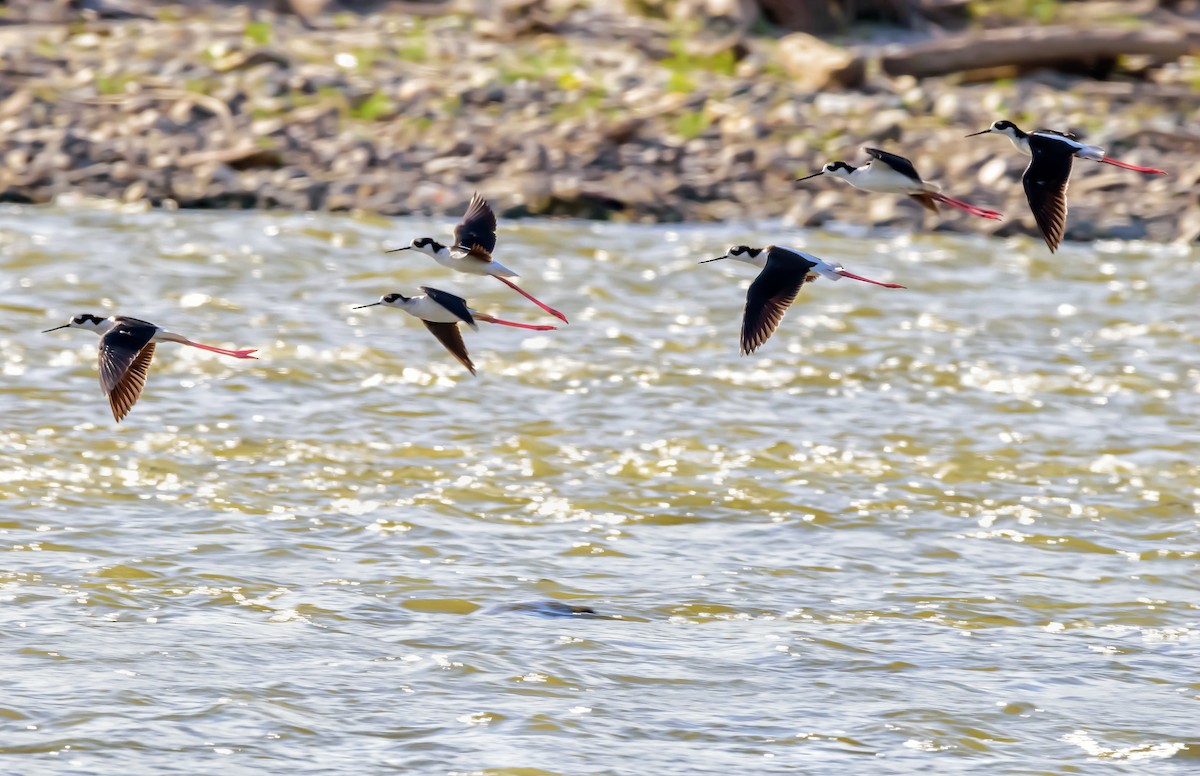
941 529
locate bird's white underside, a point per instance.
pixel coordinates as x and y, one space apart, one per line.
426 309
470 265
882 179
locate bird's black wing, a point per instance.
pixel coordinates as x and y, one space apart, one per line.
771 294
126 394
897 163
129 320
455 304
1045 181
125 355
119 348
477 230
449 335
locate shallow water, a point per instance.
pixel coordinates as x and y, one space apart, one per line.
936 529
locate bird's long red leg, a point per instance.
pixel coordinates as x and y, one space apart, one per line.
490 319
531 298
1134 167
995 215
852 276
222 351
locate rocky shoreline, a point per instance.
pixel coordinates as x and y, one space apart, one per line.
599 115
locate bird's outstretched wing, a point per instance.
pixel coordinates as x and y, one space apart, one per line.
455 304
125 355
771 294
897 163
1045 182
451 338
476 233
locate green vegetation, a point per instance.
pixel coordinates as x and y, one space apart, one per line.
413 50
113 84
680 83
451 106
258 32
552 63
1041 11
589 102
686 67
200 85
377 106
691 125
367 57
45 48
413 46
681 60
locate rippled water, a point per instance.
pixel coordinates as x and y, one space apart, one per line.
929 530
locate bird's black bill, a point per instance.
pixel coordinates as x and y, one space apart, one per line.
984 132
813 175
56 328
405 248
706 261
361 306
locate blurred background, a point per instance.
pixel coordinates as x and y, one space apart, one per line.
646 110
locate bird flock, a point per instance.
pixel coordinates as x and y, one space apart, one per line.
127 344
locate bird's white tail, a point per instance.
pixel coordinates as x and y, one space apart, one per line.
499 270
1095 153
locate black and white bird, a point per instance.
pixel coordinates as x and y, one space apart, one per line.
888 173
474 241
1049 172
126 349
441 312
1082 150
784 271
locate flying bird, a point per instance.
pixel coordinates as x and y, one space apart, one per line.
1082 150
891 174
1049 172
474 241
441 312
126 349
784 271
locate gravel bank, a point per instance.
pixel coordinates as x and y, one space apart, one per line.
594 116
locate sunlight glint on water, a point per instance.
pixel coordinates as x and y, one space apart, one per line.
920 529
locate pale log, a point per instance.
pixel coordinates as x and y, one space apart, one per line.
1029 47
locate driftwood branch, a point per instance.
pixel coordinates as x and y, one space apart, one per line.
1029 47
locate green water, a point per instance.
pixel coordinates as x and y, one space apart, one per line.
945 529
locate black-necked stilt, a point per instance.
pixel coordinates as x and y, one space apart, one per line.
441 312
891 174
126 348
474 241
1049 171
784 271
1082 150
